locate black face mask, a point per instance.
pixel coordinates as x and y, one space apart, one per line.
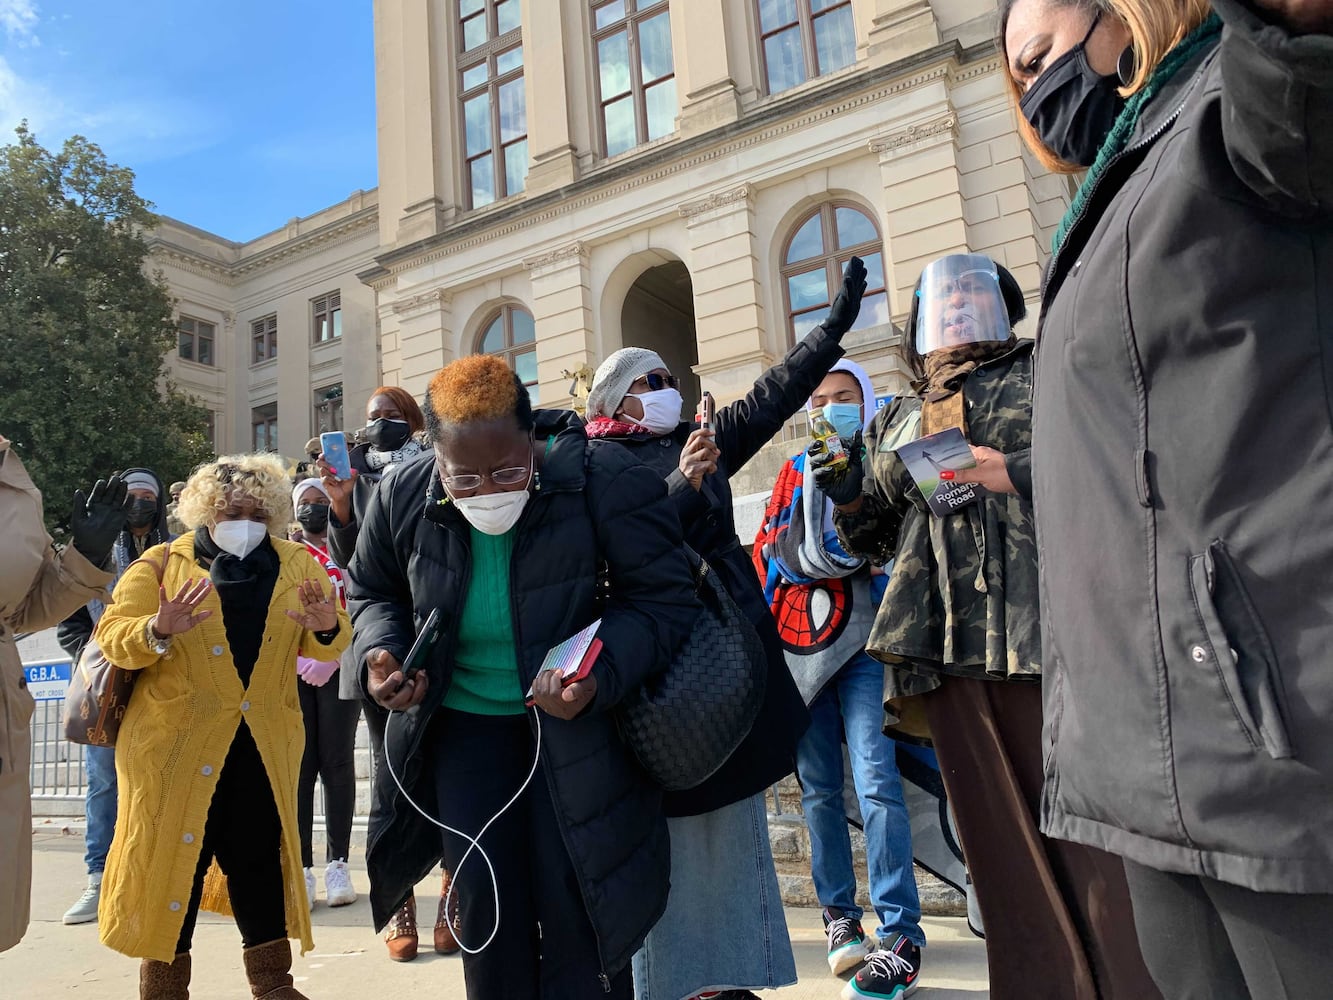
314 517
387 435
141 512
1072 107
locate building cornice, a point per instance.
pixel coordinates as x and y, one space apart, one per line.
333 234
771 119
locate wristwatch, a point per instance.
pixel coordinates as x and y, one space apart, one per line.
158 646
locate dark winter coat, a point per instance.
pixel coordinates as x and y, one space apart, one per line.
962 594
594 504
768 754
1183 470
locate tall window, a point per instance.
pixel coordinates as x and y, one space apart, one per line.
264 339
264 427
495 113
636 74
814 261
328 409
512 336
327 317
803 39
196 340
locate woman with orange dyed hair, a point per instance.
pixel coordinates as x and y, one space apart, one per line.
1182 456
509 534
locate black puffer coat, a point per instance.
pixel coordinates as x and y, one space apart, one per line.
1182 473
593 503
768 754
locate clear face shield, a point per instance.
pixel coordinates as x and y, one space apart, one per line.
961 304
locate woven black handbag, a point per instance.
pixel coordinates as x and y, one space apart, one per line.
684 723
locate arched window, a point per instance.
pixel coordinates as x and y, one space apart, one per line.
511 334
815 257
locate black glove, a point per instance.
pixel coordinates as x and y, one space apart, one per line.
841 484
847 305
98 519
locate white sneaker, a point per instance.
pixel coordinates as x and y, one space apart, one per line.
84 910
338 884
310 887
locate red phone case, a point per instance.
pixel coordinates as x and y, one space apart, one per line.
580 672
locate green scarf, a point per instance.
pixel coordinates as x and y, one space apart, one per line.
1116 141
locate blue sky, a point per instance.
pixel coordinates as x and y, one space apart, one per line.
235 115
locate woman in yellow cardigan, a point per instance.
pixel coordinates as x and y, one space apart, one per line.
209 752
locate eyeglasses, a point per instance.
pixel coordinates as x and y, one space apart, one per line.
656 383
500 477
967 283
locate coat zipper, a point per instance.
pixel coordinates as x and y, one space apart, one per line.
602 977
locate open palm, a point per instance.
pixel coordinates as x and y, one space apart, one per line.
318 611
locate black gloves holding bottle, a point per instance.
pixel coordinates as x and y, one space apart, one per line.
98 518
842 314
841 483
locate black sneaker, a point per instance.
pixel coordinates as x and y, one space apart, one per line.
847 946
891 972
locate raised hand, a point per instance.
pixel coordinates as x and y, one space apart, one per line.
699 457
318 611
98 518
340 490
847 306
178 614
841 484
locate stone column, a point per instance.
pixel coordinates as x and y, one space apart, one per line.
546 37
425 337
562 315
705 86
923 200
728 303
896 29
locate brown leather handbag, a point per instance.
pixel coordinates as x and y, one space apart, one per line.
99 692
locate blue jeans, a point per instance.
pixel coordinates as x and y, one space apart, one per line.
853 702
99 806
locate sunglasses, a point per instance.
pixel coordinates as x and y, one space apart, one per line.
656 383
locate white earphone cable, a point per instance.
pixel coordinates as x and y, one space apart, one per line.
474 843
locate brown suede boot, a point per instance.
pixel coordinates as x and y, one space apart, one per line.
447 921
401 936
268 967
165 980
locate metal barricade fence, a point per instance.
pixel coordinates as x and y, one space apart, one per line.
57 771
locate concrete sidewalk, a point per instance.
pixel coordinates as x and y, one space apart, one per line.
349 961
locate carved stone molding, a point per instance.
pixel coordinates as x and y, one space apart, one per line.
913 134
691 210
425 301
576 251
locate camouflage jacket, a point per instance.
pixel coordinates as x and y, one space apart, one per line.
962 594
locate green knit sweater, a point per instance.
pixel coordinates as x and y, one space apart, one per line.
485 680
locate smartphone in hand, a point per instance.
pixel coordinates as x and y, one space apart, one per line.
419 655
334 446
707 408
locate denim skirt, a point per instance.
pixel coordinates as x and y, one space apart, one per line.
724 928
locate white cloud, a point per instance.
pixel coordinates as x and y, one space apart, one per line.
19 17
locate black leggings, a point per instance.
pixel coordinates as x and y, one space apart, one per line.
330 752
1209 940
244 832
545 947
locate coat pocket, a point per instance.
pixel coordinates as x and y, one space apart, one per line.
1240 649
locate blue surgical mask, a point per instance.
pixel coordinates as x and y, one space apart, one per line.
845 418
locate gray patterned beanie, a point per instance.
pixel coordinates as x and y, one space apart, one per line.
616 374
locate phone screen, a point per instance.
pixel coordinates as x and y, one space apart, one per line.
334 446
419 654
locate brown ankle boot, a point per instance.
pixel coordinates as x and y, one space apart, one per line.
268 967
165 980
447 921
401 936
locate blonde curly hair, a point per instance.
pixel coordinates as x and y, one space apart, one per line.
262 478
